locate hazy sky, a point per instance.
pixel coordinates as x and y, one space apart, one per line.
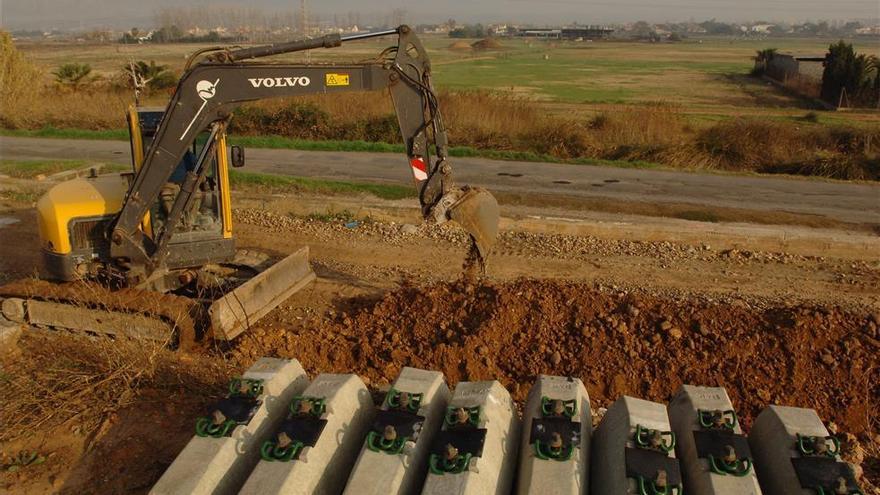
115 13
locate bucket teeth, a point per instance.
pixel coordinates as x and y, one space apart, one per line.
478 213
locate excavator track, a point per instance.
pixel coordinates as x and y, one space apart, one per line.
85 306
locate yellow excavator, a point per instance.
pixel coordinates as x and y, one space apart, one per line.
151 252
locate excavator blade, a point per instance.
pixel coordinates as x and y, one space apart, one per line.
478 213
236 311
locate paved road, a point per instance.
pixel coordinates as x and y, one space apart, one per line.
858 203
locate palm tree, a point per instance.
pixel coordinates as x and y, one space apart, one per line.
72 74
847 75
762 59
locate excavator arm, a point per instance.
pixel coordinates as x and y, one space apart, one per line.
210 90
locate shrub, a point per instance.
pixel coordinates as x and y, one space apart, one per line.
20 81
762 59
850 77
72 74
143 75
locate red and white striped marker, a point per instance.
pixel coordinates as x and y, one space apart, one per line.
419 168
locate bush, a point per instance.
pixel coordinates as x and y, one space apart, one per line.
294 119
72 74
850 78
20 81
147 76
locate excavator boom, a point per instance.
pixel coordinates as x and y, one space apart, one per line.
210 90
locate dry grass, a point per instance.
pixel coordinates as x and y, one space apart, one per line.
17 78
62 108
81 380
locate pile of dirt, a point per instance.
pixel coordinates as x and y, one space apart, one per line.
487 44
618 343
460 46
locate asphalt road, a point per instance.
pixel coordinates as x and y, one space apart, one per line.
847 202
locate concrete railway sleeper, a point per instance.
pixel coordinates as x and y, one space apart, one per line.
275 433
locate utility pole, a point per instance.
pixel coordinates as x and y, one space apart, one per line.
304 17
304 25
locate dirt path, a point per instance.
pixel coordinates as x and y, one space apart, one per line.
852 203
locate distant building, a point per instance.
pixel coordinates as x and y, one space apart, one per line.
568 33
869 31
762 28
799 73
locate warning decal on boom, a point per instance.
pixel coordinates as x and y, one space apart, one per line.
337 79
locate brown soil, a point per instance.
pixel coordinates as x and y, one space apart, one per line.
460 46
618 343
487 44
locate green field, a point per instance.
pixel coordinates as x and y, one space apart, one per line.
706 78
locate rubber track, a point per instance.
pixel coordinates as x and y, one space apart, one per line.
181 312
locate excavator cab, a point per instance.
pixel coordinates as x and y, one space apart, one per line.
210 213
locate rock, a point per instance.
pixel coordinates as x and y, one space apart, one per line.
764 395
9 336
827 358
675 333
556 358
857 470
483 350
665 325
621 327
702 329
408 229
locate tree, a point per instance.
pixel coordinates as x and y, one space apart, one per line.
130 37
848 75
468 31
72 74
762 60
149 75
167 34
715 27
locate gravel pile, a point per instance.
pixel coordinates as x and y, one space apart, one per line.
513 243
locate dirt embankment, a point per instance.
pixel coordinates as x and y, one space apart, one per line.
824 358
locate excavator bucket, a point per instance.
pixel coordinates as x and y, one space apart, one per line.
478 213
235 312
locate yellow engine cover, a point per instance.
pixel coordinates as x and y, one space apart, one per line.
75 199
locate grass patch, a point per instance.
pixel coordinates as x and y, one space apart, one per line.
286 184
28 169
53 132
27 196
344 216
281 142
